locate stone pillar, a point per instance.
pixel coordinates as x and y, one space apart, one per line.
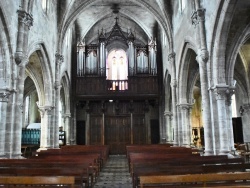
229 123
198 19
4 98
202 59
169 129
185 124
25 20
46 137
245 115
59 60
171 59
17 128
220 93
66 118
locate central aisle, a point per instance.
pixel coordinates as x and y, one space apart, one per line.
115 173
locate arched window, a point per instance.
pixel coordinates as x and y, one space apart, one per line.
117 65
117 70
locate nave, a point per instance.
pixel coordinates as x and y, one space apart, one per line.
115 174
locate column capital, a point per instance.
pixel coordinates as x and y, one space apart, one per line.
59 58
185 106
47 109
168 113
25 17
198 16
21 59
57 85
171 57
4 94
221 91
173 83
66 115
202 56
244 108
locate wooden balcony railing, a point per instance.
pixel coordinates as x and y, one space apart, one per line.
94 86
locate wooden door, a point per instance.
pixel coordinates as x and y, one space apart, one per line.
117 134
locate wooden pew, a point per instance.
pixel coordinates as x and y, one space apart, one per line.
78 165
29 181
103 149
186 169
197 180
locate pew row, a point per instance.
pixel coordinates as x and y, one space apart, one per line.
239 179
37 181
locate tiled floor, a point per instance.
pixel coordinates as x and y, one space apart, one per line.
115 173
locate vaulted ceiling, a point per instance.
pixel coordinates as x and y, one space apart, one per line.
143 18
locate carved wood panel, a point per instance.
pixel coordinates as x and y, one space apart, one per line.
95 130
117 133
139 130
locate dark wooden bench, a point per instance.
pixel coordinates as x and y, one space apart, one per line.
186 169
82 166
238 179
37 181
102 149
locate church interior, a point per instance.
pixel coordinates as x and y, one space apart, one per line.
120 83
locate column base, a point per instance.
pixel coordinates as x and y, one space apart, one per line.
208 152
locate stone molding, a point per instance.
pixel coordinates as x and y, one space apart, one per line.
4 95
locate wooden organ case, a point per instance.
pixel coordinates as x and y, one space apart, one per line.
115 103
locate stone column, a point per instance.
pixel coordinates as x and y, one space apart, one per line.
46 137
171 59
220 93
59 60
198 19
202 59
4 98
169 129
66 118
185 124
245 121
25 20
229 123
17 128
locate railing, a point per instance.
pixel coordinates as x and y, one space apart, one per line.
99 86
117 85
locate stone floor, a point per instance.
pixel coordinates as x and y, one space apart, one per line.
115 173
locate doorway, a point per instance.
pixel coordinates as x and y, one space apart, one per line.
80 133
155 131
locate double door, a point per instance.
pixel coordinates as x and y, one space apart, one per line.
117 133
